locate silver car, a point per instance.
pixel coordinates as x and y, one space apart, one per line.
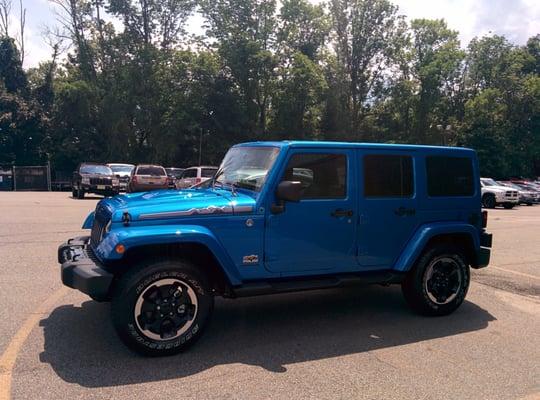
195 175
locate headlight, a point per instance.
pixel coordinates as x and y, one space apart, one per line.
85 180
115 181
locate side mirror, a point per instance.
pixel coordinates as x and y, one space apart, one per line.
287 191
290 191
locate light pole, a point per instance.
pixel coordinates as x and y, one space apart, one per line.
200 146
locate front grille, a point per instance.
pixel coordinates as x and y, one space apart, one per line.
512 193
100 181
101 219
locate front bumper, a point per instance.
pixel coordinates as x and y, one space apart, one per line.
81 270
100 189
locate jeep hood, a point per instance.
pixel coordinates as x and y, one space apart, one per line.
166 204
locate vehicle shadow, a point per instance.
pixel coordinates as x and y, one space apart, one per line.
269 331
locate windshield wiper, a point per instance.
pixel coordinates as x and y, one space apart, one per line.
224 185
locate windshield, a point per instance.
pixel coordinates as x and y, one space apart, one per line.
489 182
122 168
246 167
176 172
95 169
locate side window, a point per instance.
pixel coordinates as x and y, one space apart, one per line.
324 176
449 176
388 176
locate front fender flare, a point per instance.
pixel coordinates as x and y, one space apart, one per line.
425 233
89 221
135 236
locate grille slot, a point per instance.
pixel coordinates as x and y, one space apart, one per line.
101 218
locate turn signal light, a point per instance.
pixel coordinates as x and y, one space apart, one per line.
120 248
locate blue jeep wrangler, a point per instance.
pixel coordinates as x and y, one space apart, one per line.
280 217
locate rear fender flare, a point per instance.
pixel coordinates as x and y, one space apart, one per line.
425 233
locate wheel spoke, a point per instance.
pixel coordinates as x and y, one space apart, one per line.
157 309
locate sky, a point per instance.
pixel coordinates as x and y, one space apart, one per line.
516 19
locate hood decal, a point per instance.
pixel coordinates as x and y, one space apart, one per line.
213 210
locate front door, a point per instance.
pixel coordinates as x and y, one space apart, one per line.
318 232
388 207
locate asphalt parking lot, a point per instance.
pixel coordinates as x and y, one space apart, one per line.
364 344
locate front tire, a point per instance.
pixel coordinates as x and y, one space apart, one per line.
508 206
488 200
80 193
438 283
161 308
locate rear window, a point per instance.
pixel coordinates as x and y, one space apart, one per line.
388 176
449 176
208 172
154 171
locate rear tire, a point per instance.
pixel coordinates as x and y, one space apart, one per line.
161 308
438 283
488 200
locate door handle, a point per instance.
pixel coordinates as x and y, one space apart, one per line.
404 212
342 213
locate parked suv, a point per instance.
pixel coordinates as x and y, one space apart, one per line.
494 195
122 172
94 178
526 195
174 174
194 175
148 177
281 217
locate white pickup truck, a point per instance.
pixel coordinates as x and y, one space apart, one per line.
494 195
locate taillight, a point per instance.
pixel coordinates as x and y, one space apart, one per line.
484 219
198 180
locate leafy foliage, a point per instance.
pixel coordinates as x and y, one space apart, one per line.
147 91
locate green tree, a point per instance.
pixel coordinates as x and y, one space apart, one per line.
435 66
244 31
365 31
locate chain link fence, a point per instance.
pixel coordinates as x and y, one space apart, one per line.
36 177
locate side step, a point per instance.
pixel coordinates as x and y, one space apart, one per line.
314 283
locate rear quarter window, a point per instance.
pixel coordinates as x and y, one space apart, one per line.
449 176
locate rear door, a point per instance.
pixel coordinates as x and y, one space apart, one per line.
387 206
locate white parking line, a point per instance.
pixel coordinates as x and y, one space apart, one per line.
515 272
